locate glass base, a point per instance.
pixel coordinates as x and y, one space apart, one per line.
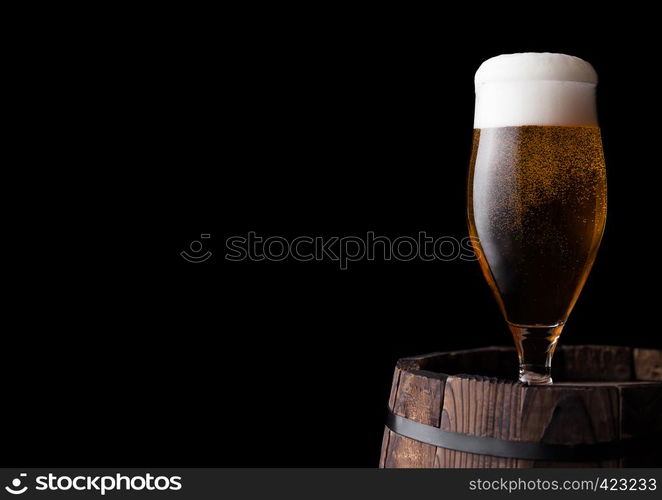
531 375
535 347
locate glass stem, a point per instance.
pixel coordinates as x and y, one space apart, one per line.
535 348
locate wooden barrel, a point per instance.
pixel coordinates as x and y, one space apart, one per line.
603 410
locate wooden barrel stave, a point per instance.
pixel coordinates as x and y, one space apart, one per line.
615 393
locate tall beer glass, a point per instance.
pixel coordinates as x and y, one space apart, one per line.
537 195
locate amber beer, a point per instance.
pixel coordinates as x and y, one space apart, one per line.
537 206
537 194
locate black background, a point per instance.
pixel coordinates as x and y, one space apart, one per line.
285 123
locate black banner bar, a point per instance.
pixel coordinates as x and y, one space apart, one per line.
320 484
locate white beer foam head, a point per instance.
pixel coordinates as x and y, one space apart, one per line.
513 90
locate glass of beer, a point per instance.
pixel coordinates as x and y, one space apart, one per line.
537 194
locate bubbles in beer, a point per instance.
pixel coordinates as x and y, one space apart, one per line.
537 206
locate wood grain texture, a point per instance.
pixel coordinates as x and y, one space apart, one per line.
418 398
571 415
594 363
483 407
605 402
648 364
391 403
